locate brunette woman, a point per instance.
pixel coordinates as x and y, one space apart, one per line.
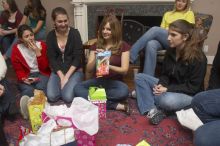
109 38
64 53
182 74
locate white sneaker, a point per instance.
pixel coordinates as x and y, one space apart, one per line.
133 94
189 119
24 106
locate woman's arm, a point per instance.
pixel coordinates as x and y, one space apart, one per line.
38 26
3 65
123 69
91 62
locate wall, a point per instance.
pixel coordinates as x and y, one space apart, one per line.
204 6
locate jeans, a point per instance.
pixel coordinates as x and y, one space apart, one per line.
116 91
54 91
207 105
41 35
152 41
40 85
168 101
208 134
5 42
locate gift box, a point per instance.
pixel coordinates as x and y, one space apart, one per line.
98 97
84 139
35 109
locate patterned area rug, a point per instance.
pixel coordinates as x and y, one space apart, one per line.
119 128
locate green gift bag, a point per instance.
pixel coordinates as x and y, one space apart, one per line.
97 94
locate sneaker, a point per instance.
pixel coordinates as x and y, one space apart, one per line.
155 116
133 94
23 106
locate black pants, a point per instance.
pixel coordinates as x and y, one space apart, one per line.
3 141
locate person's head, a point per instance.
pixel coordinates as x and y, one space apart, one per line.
36 7
9 5
182 5
184 36
110 31
25 34
61 19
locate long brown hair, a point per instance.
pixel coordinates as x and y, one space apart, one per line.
192 49
116 33
13 8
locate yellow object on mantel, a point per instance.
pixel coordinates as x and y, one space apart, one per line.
143 143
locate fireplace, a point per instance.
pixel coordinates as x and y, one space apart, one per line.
146 12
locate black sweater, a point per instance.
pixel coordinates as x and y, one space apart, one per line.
72 54
182 77
214 81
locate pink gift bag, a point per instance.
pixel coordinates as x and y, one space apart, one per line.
84 139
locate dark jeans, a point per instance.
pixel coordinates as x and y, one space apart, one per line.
7 102
29 89
207 106
116 91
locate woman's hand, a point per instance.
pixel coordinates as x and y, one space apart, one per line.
159 89
2 90
29 81
32 45
99 50
64 81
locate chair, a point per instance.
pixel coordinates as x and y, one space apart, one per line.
202 21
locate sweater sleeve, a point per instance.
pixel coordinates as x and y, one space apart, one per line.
78 49
192 85
51 52
3 65
163 23
190 17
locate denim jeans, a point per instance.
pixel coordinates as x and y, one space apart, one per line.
208 134
152 41
168 101
207 105
41 35
54 91
40 85
5 42
116 91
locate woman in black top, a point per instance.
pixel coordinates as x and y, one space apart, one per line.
64 54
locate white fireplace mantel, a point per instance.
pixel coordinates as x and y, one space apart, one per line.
80 11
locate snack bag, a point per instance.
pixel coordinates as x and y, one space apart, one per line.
35 109
102 63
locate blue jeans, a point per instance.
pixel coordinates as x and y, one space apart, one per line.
208 134
152 41
29 89
5 42
116 91
54 91
207 105
41 35
168 101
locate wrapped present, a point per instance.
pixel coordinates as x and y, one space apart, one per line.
35 109
102 63
98 97
84 139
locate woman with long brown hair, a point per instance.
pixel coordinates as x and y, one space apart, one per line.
182 76
109 39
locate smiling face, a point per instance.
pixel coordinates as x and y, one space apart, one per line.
61 23
176 39
181 5
106 32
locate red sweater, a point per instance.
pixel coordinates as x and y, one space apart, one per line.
21 67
